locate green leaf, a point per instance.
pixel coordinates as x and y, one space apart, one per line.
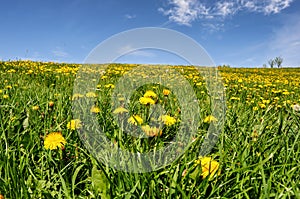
74 178
26 122
196 173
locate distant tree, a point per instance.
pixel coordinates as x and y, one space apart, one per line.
225 66
264 65
278 61
271 63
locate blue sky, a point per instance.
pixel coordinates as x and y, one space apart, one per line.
242 33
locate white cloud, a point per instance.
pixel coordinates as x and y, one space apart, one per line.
184 12
225 8
275 6
128 16
250 5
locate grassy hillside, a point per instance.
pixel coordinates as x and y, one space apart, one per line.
257 154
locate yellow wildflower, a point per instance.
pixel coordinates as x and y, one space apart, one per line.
136 120
120 110
262 105
54 140
150 94
166 92
151 131
109 86
77 96
90 94
95 109
146 100
210 119
74 124
35 108
168 120
51 103
266 101
235 98
208 167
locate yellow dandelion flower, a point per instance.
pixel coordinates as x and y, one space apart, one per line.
136 120
51 104
109 86
276 98
151 131
54 140
146 100
1 91
91 94
210 119
168 120
95 109
208 167
120 110
5 96
166 92
235 98
74 124
35 108
199 84
77 96
262 105
150 94
278 106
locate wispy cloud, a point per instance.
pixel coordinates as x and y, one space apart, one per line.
128 16
275 6
225 8
60 53
184 12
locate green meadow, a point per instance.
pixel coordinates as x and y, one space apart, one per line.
43 150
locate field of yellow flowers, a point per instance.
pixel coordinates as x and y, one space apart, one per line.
42 155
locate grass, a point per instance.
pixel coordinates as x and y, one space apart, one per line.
257 151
